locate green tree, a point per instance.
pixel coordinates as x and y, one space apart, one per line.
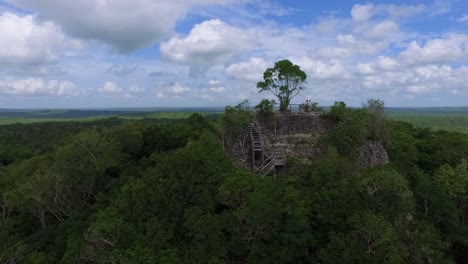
375 108
265 107
75 174
370 240
338 111
454 181
234 124
266 222
285 81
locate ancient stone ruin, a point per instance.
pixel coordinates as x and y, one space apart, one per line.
279 136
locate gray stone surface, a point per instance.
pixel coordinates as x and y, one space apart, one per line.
297 134
373 153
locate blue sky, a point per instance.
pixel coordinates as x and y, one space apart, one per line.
143 53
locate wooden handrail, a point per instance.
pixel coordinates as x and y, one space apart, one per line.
271 157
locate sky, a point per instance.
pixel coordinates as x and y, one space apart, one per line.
163 53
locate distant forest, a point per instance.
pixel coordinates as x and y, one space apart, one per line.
437 118
162 189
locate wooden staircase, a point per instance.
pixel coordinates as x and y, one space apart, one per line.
255 138
265 160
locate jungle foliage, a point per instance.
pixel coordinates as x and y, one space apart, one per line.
136 191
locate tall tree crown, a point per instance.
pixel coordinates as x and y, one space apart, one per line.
285 80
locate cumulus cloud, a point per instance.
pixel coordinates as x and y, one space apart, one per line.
322 70
367 38
110 88
418 80
173 91
136 89
381 30
217 89
124 24
387 63
209 42
178 88
327 25
211 91
362 12
250 71
365 68
335 52
26 42
214 92
38 87
114 90
370 53
449 49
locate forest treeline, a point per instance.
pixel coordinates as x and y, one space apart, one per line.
140 191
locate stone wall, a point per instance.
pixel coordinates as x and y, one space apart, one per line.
297 134
373 153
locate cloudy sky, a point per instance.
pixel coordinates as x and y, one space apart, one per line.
131 53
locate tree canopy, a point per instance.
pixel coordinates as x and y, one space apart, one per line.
285 80
136 191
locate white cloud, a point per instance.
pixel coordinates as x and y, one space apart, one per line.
249 71
217 89
365 68
367 38
463 18
381 30
371 54
278 41
418 89
209 42
387 63
178 88
38 87
327 25
210 94
321 70
440 7
123 70
400 11
346 39
25 42
451 48
136 89
114 90
418 80
362 12
335 52
126 25
110 88
160 95
180 91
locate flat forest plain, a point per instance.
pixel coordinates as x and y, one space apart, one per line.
436 118
26 116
